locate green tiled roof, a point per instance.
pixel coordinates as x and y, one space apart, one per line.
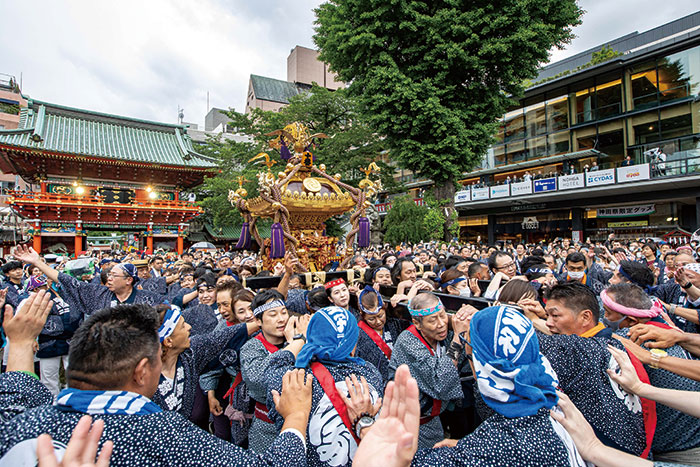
232 232
66 130
276 90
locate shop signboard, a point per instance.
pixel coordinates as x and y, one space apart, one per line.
627 211
463 196
633 173
530 223
480 193
521 188
567 182
600 177
545 184
628 224
500 191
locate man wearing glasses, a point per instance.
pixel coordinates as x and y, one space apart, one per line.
503 267
87 298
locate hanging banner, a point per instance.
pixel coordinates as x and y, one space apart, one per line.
545 184
627 211
633 173
480 193
628 224
500 191
567 182
600 177
521 188
463 196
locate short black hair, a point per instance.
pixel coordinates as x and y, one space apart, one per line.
110 343
638 273
317 298
264 297
453 261
576 257
530 262
576 297
495 255
11 265
474 268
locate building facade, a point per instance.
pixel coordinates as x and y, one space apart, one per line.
559 164
303 69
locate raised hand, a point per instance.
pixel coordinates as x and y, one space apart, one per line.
359 399
26 254
296 394
393 439
81 449
654 337
627 377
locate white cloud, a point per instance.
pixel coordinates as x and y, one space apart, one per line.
144 58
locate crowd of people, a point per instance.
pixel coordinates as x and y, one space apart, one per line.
435 354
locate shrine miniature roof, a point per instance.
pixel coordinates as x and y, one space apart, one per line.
66 130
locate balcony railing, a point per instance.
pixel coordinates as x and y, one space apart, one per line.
20 197
383 208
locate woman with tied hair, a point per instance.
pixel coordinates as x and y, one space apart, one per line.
517 382
185 358
377 331
453 282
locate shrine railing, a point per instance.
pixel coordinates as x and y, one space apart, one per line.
20 197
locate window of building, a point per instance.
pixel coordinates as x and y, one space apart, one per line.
609 99
585 105
535 119
644 85
675 127
679 75
558 143
516 151
515 125
500 133
557 113
537 147
499 155
646 132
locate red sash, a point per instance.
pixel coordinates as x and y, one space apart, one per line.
376 338
328 384
261 410
229 394
648 406
437 405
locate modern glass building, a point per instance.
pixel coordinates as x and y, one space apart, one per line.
636 96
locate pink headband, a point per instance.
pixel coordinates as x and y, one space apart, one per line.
655 310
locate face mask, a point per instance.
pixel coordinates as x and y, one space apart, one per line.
576 274
465 292
613 325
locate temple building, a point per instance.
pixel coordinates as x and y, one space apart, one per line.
101 172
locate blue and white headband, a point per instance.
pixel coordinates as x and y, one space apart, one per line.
172 316
539 270
267 306
380 302
454 281
426 311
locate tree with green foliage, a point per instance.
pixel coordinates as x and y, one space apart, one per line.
405 221
350 145
434 76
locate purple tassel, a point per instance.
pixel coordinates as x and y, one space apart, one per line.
244 239
363 234
276 241
284 150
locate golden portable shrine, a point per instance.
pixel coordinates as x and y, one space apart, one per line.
300 200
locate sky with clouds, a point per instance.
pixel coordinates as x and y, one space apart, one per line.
145 58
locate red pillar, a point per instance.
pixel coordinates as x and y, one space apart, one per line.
43 186
78 242
180 236
149 239
36 238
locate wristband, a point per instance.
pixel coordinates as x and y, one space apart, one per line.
672 309
687 285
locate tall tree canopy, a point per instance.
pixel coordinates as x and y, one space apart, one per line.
434 76
351 144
